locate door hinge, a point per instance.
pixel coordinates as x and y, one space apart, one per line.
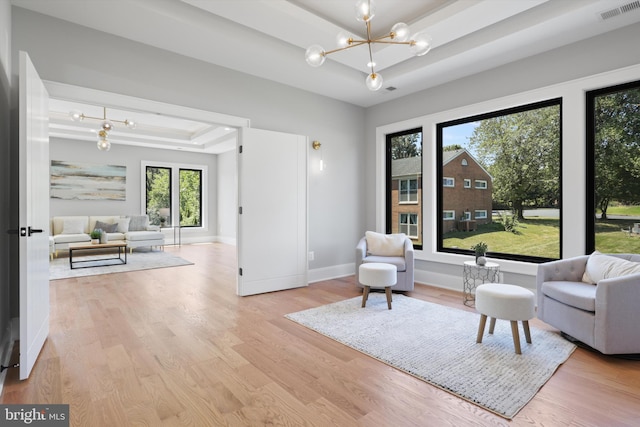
240 210
240 149
240 271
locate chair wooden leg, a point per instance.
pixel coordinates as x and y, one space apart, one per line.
483 321
527 332
492 325
387 290
516 336
365 295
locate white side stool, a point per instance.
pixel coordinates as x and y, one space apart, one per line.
377 275
508 302
52 247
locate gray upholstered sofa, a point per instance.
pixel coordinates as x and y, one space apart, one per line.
134 229
401 256
600 308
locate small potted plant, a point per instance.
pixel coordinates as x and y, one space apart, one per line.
480 249
95 236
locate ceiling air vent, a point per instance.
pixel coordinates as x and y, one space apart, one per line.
629 7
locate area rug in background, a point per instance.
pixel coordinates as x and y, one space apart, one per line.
138 260
437 344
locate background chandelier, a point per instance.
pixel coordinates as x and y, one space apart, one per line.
419 44
106 125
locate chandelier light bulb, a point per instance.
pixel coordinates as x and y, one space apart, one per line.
76 115
130 124
104 145
374 81
344 39
365 10
400 32
315 55
107 125
421 44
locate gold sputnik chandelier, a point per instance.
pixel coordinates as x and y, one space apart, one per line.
419 44
106 125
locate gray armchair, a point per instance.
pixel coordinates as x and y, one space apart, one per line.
404 263
605 316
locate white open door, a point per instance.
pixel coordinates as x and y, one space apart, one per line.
272 211
34 215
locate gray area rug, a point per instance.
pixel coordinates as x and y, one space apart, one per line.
438 345
138 260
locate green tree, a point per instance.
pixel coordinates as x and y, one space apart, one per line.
158 192
406 146
190 197
617 149
521 151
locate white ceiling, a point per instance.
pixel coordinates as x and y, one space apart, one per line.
268 38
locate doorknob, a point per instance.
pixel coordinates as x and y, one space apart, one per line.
34 230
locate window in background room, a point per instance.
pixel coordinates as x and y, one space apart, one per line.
175 194
158 195
513 159
404 184
613 169
190 198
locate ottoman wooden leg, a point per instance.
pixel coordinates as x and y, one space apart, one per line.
387 290
527 332
483 321
492 325
365 295
516 336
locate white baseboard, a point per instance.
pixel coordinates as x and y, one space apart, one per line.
333 272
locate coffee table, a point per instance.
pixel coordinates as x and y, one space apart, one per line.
120 245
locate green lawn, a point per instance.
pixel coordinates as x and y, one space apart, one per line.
539 237
624 210
536 237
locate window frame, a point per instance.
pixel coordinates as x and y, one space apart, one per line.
408 225
453 182
475 214
480 181
408 192
453 215
441 125
590 199
175 190
387 225
466 183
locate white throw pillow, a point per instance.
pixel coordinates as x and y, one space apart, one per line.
73 226
385 244
123 225
600 266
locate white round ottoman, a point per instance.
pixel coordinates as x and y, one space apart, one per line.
508 302
377 275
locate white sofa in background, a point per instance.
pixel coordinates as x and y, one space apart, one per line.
134 229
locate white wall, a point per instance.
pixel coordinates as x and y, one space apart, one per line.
71 54
227 197
566 72
131 157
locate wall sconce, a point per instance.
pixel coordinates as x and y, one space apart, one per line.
318 146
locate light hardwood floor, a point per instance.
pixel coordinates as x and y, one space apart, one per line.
176 346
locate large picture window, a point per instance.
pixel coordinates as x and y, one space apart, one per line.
174 195
404 184
513 159
613 169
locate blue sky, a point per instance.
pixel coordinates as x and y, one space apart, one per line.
459 134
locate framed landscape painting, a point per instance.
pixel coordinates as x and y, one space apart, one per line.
87 181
